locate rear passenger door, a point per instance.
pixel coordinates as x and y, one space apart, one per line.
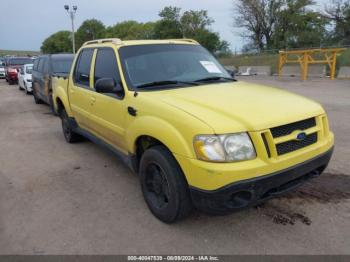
80 91
46 80
108 111
37 75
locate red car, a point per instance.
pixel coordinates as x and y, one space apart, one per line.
12 67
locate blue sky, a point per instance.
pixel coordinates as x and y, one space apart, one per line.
25 24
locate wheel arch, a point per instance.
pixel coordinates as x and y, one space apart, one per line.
149 131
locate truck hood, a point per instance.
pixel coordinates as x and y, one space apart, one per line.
240 106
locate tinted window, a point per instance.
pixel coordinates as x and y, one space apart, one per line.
62 65
36 62
82 71
41 64
20 61
106 65
46 65
144 64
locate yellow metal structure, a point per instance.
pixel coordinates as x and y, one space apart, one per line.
309 56
175 116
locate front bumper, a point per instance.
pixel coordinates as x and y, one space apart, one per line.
250 192
29 86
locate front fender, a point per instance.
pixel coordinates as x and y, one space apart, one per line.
160 130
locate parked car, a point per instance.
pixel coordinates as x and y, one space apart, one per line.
196 136
44 68
25 78
12 66
2 70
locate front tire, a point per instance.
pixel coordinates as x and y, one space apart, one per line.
69 134
164 186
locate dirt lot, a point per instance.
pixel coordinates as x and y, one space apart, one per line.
58 198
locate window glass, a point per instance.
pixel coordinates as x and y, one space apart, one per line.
106 65
144 64
36 62
62 65
82 71
20 61
46 65
29 69
41 64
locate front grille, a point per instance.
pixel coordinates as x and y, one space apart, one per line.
290 128
293 145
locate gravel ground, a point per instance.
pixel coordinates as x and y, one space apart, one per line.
59 198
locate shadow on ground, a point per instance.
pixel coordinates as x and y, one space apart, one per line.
328 188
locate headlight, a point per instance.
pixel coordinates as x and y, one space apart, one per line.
224 148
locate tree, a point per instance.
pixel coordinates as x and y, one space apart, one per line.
299 27
275 24
89 30
190 24
59 42
194 21
338 12
128 30
258 18
169 25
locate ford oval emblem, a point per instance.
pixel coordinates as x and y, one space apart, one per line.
301 136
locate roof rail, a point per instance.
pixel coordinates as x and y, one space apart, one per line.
116 41
184 40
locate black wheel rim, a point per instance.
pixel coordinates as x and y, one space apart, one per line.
156 186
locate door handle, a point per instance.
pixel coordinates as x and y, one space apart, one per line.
92 100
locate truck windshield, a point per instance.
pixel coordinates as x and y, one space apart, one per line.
62 65
20 61
161 65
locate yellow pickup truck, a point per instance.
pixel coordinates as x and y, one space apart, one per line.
195 135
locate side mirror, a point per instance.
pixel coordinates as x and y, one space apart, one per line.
108 85
231 72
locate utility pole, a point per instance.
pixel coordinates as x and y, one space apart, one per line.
71 13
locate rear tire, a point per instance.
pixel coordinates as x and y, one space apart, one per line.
164 186
37 100
51 104
69 134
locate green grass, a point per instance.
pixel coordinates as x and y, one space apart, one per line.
272 60
18 53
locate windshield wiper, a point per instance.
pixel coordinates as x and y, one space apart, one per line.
215 78
166 82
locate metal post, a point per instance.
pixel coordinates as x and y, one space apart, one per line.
72 16
334 62
305 67
73 35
